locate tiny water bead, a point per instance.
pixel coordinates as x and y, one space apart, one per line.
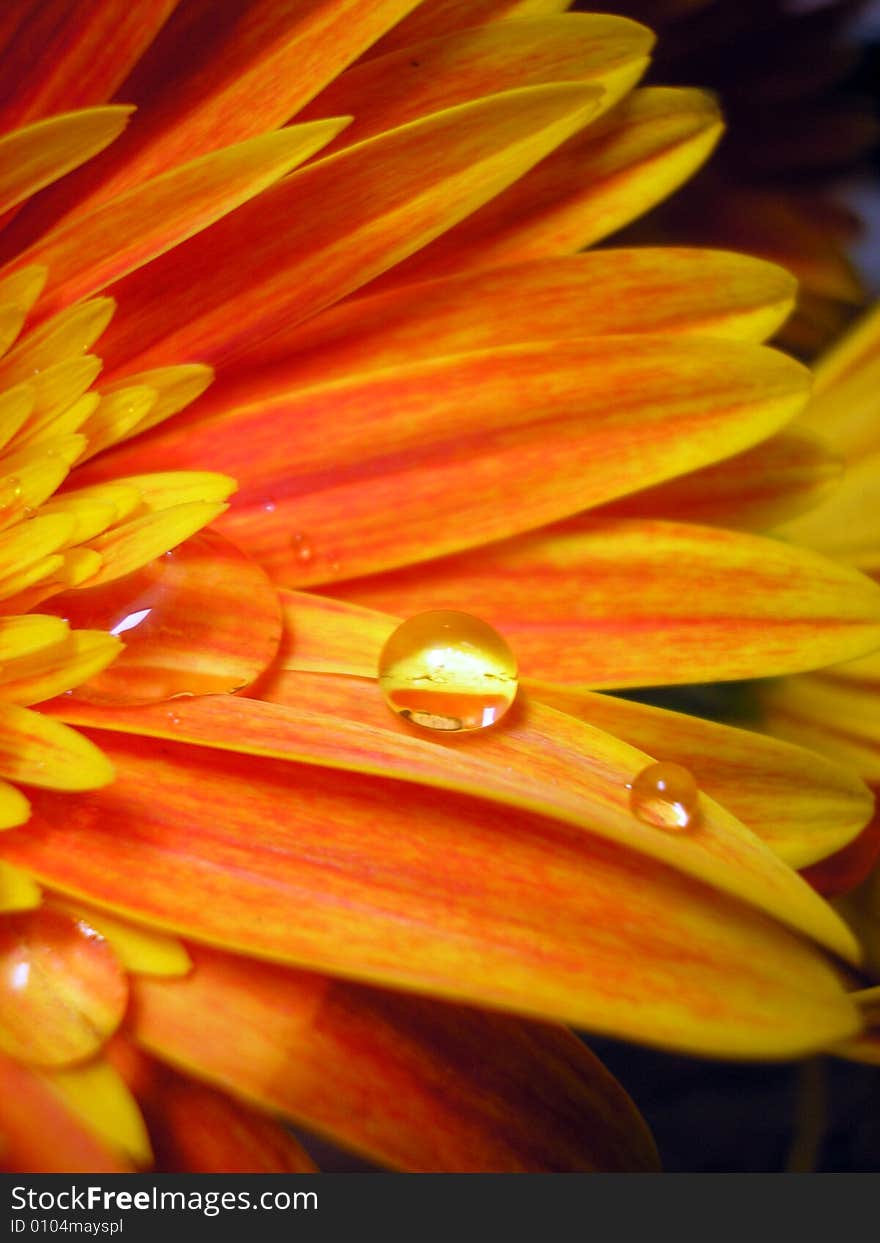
448 671
302 548
666 796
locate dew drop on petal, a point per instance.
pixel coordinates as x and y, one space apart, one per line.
10 498
666 796
302 548
62 990
448 671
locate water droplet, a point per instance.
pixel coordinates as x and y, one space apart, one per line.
269 507
179 618
10 497
448 671
302 548
666 796
62 991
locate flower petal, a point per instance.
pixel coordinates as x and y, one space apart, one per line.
630 602
72 56
41 1134
793 471
439 892
663 289
597 182
97 1094
18 890
540 760
831 714
32 157
483 1092
548 428
804 807
433 18
63 993
199 1129
384 92
330 227
844 522
87 252
38 751
257 64
68 663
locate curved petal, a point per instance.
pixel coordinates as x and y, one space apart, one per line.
41 1134
257 64
87 252
73 55
32 157
665 290
483 1092
445 893
422 78
433 18
330 227
196 1128
792 472
630 602
595 183
429 458
804 807
539 759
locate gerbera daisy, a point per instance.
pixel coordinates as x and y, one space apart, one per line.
421 388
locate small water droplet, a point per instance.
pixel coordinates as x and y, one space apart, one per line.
302 548
448 671
666 796
269 507
10 498
173 719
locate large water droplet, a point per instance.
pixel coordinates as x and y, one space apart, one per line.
180 620
448 671
666 796
62 990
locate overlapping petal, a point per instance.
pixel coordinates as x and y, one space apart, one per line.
341 1057
629 602
329 228
474 447
525 913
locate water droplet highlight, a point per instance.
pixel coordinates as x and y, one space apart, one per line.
448 671
302 549
10 498
666 796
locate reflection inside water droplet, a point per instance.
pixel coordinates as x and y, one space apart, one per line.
448 671
666 796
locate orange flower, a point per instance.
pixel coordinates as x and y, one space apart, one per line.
421 388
